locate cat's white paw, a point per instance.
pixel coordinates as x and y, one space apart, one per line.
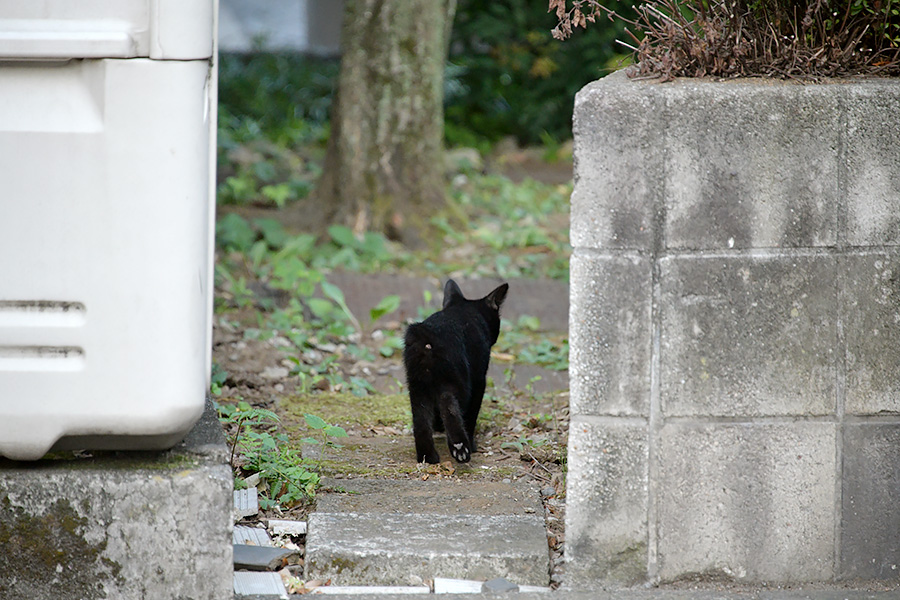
460 452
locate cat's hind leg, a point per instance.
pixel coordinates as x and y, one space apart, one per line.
472 410
457 439
423 421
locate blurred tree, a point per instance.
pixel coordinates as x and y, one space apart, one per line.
384 164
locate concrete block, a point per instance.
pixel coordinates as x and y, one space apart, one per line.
748 335
136 525
610 335
872 163
618 191
606 503
870 515
871 315
751 502
751 165
387 548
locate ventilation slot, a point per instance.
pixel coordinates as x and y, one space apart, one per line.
41 313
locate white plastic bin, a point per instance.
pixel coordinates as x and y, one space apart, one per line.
107 135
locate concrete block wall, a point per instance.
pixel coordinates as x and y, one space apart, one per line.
734 332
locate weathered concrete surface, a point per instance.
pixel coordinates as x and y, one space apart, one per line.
748 335
610 335
118 525
389 548
735 310
747 501
608 463
651 594
441 497
382 532
870 544
870 290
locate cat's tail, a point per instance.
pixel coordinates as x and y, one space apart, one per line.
418 349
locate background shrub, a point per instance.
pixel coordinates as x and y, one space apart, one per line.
508 77
731 38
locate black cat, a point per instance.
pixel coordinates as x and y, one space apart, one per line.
446 358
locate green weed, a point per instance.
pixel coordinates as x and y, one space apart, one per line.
256 448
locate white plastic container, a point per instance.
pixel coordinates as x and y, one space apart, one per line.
107 137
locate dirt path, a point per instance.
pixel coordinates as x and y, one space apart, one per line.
522 428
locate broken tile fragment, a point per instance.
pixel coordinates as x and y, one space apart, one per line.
261 558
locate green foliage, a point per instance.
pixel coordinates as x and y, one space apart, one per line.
217 377
325 430
523 444
529 345
513 230
387 305
256 449
508 77
283 95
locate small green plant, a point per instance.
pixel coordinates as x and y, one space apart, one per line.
217 378
325 430
523 444
256 449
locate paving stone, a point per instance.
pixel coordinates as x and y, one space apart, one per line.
285 527
246 502
385 549
253 536
421 497
260 558
260 585
545 299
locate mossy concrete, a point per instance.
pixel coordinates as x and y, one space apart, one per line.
120 525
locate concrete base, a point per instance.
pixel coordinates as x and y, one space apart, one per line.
120 525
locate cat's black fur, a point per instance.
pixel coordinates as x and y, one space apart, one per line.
446 358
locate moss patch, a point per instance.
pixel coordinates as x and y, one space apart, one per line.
47 554
346 409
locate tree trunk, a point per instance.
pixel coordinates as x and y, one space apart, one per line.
384 164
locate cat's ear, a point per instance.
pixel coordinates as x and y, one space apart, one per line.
495 299
451 293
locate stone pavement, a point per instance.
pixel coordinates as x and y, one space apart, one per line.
650 594
378 539
385 532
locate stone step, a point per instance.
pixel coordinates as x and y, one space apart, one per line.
404 532
440 496
399 549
